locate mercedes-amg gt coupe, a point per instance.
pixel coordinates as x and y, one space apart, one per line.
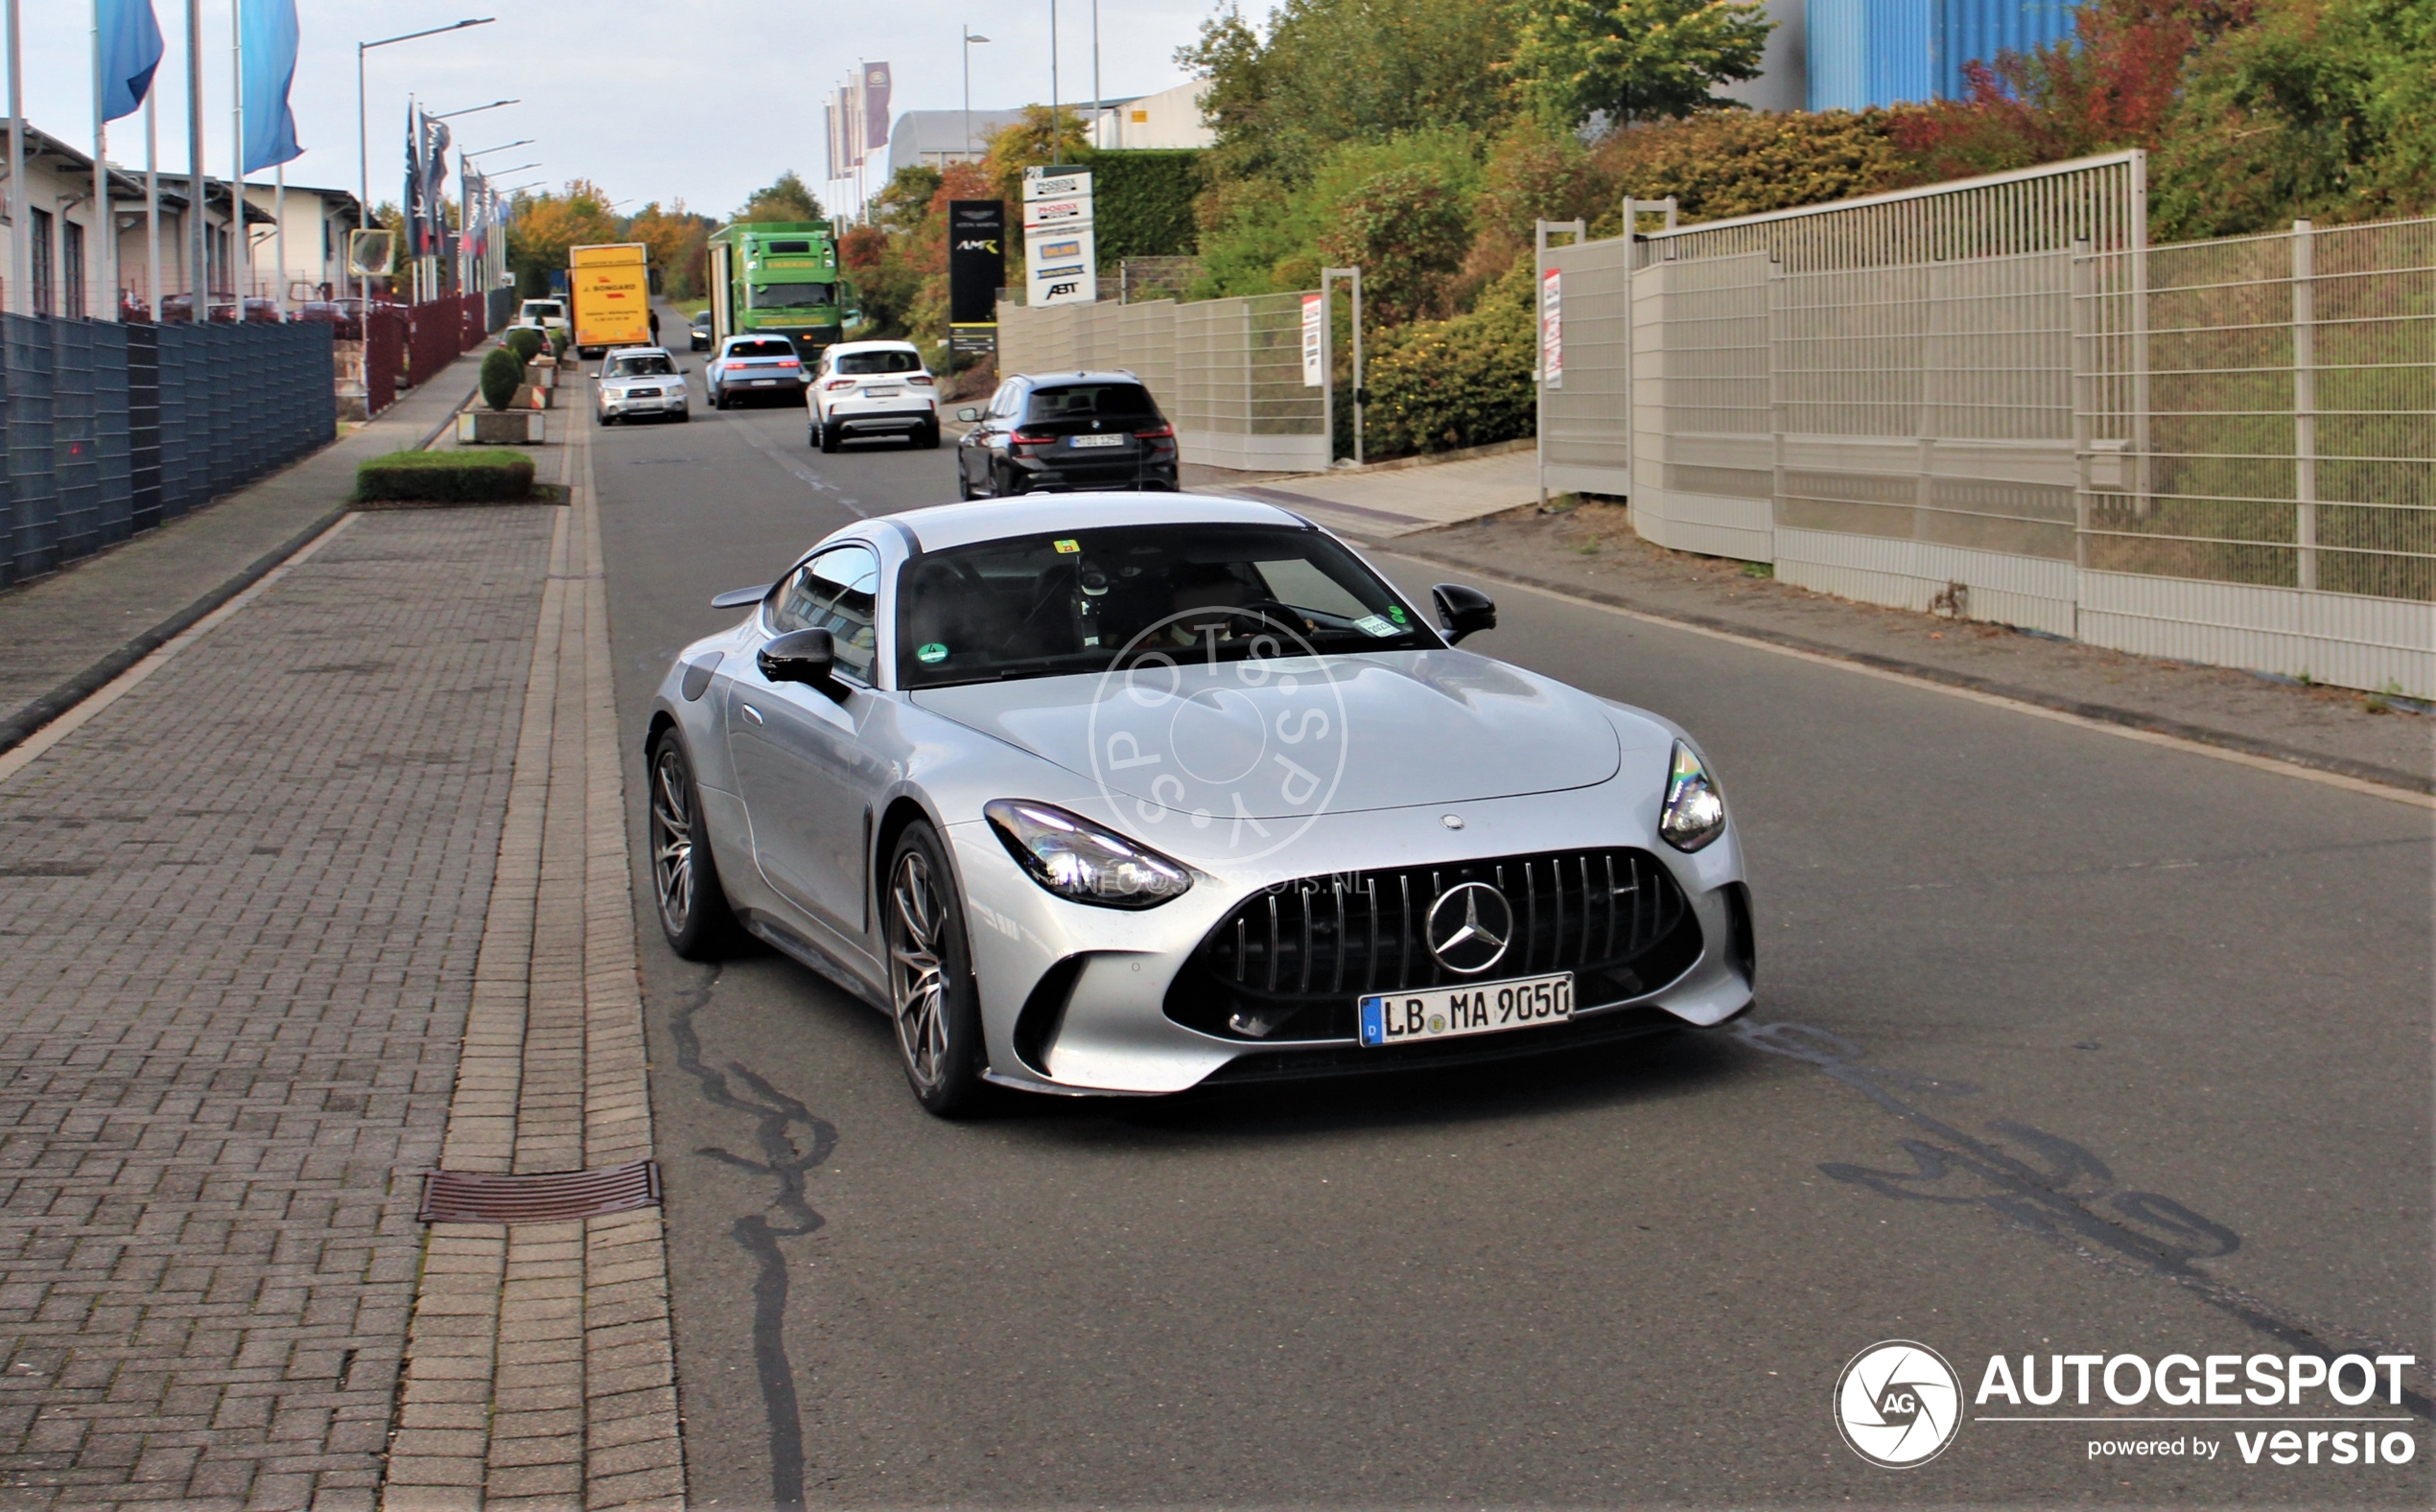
1126 793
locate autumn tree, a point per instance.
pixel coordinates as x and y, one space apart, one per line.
1634 60
785 197
544 226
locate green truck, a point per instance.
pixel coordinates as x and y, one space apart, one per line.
779 278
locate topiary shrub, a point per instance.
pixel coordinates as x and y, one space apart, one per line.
502 374
526 341
446 478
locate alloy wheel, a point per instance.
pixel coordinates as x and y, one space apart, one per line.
917 979
672 839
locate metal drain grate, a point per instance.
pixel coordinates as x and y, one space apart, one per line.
558 1196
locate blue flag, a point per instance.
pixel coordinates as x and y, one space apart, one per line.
269 28
130 45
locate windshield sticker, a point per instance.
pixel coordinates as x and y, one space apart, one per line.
1395 612
1374 625
1069 548
933 652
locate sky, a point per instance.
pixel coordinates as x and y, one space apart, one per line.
699 100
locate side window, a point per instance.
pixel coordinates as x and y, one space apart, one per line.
837 592
1003 406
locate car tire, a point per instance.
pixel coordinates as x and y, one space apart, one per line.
684 416
964 484
685 878
933 1001
830 435
928 437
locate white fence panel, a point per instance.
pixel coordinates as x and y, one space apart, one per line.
1587 429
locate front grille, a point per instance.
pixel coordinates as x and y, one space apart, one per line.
1290 961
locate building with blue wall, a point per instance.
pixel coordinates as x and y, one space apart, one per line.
1863 53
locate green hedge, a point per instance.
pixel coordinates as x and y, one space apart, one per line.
447 478
1438 386
1142 201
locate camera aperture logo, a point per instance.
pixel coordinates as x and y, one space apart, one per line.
1898 1404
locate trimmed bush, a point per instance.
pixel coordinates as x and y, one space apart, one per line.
447 478
503 373
1142 201
1438 385
526 341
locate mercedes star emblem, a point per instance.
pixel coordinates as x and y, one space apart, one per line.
1469 926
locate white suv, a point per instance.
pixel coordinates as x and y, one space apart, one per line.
867 388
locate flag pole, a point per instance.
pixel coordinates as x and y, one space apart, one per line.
153 204
101 283
197 185
245 239
20 251
279 234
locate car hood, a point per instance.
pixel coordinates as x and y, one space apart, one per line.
1305 735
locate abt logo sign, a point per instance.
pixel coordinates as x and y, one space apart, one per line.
1898 1404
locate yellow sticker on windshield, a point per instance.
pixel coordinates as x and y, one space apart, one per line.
1069 548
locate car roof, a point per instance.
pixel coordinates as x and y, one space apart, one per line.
640 351
1112 375
753 336
943 526
873 346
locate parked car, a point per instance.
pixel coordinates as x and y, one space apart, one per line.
1105 794
701 336
873 388
346 315
1066 430
638 380
755 366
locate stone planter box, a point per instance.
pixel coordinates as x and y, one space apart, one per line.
499 428
529 397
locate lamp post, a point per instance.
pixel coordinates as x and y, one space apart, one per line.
1052 81
362 153
968 40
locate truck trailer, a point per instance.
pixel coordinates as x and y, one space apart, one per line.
779 278
611 286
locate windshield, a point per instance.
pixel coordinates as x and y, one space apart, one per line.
1092 402
543 307
766 347
703 319
1047 606
879 363
789 296
653 365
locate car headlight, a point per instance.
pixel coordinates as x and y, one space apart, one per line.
1081 862
1695 811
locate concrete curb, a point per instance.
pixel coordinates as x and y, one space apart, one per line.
2102 713
39 711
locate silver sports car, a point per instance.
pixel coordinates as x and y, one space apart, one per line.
1116 794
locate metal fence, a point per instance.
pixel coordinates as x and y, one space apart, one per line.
1228 372
1993 399
116 428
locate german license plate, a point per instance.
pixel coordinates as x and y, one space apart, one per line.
1098 440
762 382
882 394
1477 1008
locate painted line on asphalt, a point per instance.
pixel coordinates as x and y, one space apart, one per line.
2308 774
23 753
760 443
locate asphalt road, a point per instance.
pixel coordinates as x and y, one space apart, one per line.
2065 1043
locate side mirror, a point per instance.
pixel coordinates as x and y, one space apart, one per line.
1461 611
968 415
799 656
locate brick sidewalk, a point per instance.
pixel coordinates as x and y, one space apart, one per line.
253 910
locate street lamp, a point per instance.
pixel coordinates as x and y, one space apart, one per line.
362 153
518 168
448 115
968 40
501 148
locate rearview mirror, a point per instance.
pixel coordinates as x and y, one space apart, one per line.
968 415
1461 611
799 656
